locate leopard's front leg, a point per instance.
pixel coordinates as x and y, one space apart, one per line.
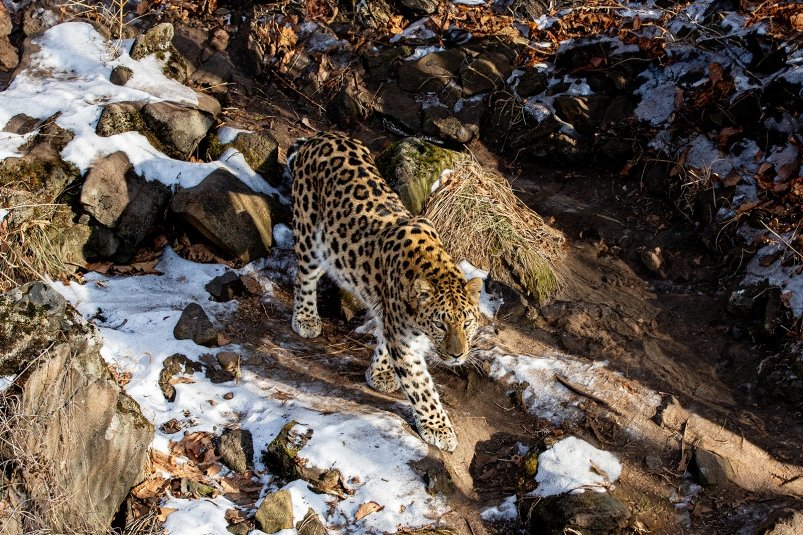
431 420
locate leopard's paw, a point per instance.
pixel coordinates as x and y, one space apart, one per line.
306 325
382 381
440 434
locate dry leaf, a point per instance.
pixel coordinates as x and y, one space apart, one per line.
164 512
366 509
234 516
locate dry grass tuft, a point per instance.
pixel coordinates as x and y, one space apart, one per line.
29 248
109 14
481 220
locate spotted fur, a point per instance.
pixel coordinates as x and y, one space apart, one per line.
348 223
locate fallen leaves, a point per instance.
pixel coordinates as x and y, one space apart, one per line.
366 509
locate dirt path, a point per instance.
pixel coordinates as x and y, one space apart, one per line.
666 332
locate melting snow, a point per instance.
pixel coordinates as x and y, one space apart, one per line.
371 448
573 465
504 512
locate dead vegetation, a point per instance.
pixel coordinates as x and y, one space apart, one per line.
481 220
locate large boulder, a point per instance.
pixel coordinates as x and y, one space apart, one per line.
412 166
179 128
122 201
259 149
227 212
78 443
433 72
590 513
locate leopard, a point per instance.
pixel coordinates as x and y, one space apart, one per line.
350 224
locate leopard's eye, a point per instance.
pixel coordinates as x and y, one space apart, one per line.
467 324
440 325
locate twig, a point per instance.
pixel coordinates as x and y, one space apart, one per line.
577 389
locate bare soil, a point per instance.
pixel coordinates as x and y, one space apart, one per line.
665 331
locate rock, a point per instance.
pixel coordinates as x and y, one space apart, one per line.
216 73
421 7
21 124
653 259
275 513
712 469
179 128
9 56
374 14
488 72
345 109
581 52
311 524
236 449
120 75
442 123
400 107
157 39
78 469
411 166
6 24
583 113
589 513
36 19
240 528
230 362
121 200
195 325
261 152
380 67
174 365
121 117
431 73
532 83
747 299
225 287
280 458
229 214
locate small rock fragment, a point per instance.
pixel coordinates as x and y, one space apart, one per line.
236 449
225 287
195 325
275 513
120 75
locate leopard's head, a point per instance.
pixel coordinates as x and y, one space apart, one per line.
448 316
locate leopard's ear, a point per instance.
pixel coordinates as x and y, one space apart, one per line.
472 288
422 290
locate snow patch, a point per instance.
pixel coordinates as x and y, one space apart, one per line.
572 466
489 304
227 134
504 512
283 236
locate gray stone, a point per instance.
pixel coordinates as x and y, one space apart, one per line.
120 75
589 513
229 214
108 187
584 113
120 117
345 109
195 325
421 7
275 513
748 299
532 83
380 67
431 73
236 449
261 152
712 469
178 128
411 167
21 124
400 107
157 39
87 437
120 199
215 73
225 287
36 19
486 73
442 123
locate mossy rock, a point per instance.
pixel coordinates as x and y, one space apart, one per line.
590 513
280 455
411 166
275 513
259 149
